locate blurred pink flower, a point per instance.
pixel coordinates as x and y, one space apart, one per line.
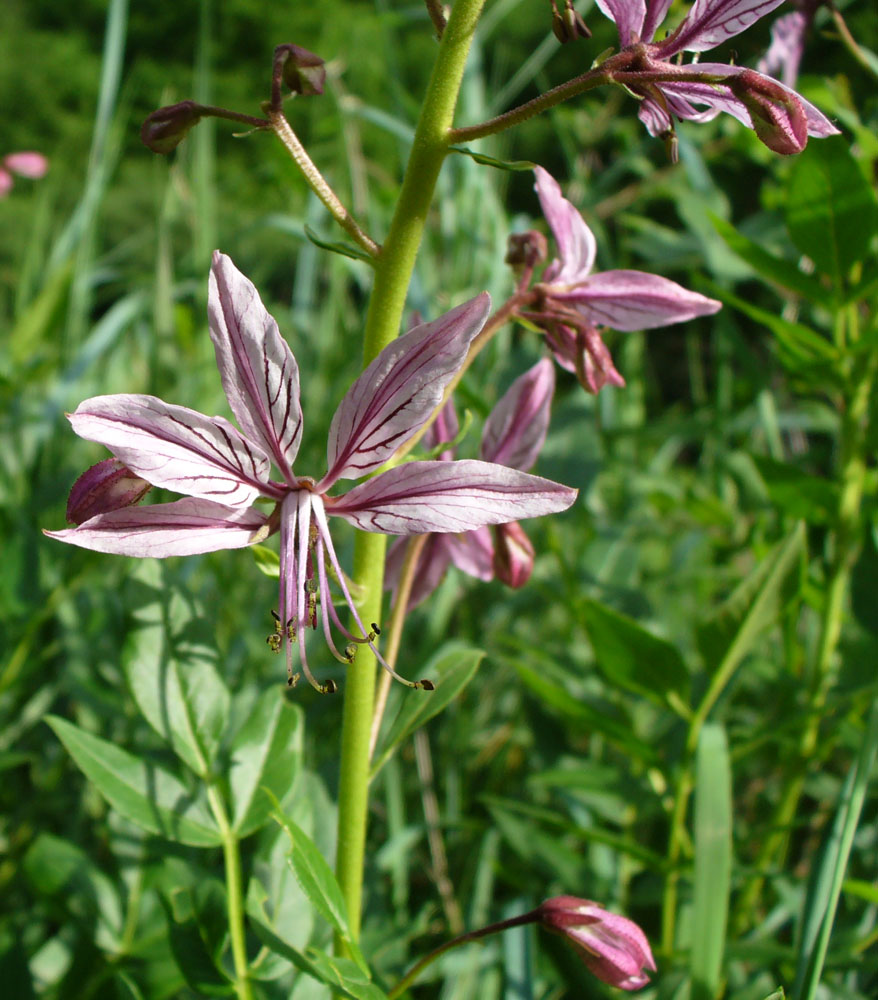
614 948
24 164
574 302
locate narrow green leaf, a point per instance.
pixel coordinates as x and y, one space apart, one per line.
265 756
343 975
767 267
342 249
805 497
635 659
451 669
493 161
713 860
197 930
732 629
831 210
827 876
148 795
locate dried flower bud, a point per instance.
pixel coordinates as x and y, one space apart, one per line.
107 486
778 117
526 249
614 948
302 71
568 25
167 127
513 554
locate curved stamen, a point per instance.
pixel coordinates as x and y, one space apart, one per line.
327 609
288 518
323 527
303 603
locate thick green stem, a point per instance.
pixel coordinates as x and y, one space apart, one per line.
234 894
393 270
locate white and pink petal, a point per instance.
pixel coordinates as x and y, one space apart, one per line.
516 428
258 371
176 448
710 22
576 242
182 528
399 390
420 497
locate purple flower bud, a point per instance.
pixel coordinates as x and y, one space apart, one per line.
526 249
568 25
107 486
777 114
513 555
303 71
614 948
167 127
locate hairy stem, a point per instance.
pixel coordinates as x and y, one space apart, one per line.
393 270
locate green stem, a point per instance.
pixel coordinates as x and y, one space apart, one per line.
393 270
846 544
234 894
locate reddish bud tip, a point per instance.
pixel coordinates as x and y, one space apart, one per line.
778 118
513 554
302 71
107 486
614 948
568 24
526 249
167 127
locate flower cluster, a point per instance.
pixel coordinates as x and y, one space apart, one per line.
222 472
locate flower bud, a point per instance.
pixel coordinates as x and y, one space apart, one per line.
513 555
302 71
167 127
614 948
526 249
27 164
107 486
568 25
777 114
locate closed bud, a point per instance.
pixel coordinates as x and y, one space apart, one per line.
513 555
777 114
27 164
614 948
166 128
302 71
526 249
568 24
107 486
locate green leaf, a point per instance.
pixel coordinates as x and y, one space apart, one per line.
767 267
342 249
318 882
173 678
198 928
149 796
343 975
713 860
733 628
265 757
492 161
267 560
633 658
805 497
831 211
451 669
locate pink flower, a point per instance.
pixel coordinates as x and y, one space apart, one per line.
575 302
222 472
735 90
513 436
25 164
614 948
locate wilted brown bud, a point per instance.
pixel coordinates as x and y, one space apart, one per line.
513 555
526 249
777 114
107 486
302 71
166 128
568 25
